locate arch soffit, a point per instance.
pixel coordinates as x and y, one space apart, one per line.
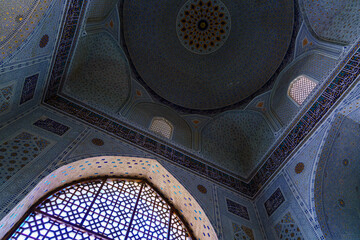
280 80
118 166
167 109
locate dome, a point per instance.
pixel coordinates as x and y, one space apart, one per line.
178 47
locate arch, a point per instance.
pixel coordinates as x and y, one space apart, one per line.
98 10
99 75
300 88
314 64
336 186
143 113
115 166
332 20
236 140
104 208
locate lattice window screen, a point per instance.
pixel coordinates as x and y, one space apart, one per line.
104 209
300 89
162 127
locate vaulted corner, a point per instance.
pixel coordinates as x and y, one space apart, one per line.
99 75
242 116
337 179
237 141
178 52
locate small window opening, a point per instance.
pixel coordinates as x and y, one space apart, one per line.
162 127
300 88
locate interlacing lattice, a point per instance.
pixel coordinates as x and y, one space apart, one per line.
162 127
300 89
103 209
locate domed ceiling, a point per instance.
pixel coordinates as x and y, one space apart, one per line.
207 54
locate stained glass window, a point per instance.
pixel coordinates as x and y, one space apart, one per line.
162 127
300 89
103 209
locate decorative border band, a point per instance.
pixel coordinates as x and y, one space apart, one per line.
339 81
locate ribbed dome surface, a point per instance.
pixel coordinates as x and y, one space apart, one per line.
253 47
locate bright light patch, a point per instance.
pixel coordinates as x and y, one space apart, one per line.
162 127
104 209
300 89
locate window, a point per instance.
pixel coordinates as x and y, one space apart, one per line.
162 127
300 88
105 208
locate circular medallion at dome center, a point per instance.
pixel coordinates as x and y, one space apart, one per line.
203 26
204 77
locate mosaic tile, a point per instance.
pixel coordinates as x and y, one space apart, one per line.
339 23
51 126
123 167
18 151
286 228
242 233
6 94
28 91
274 201
237 209
16 28
337 83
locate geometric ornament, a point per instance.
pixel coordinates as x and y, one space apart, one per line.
288 229
203 26
44 41
274 201
242 233
29 88
15 153
300 88
6 94
237 209
107 208
162 127
51 126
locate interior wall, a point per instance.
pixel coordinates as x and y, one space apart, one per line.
99 74
333 20
337 181
142 114
62 140
314 64
231 141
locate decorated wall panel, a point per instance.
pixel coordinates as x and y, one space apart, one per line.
242 232
336 187
143 113
100 74
29 88
18 21
28 81
333 20
42 41
281 215
6 94
313 64
18 151
287 228
51 126
236 140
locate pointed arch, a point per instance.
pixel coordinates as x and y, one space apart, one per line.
119 167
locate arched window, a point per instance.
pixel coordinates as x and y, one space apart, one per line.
105 208
162 127
300 88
